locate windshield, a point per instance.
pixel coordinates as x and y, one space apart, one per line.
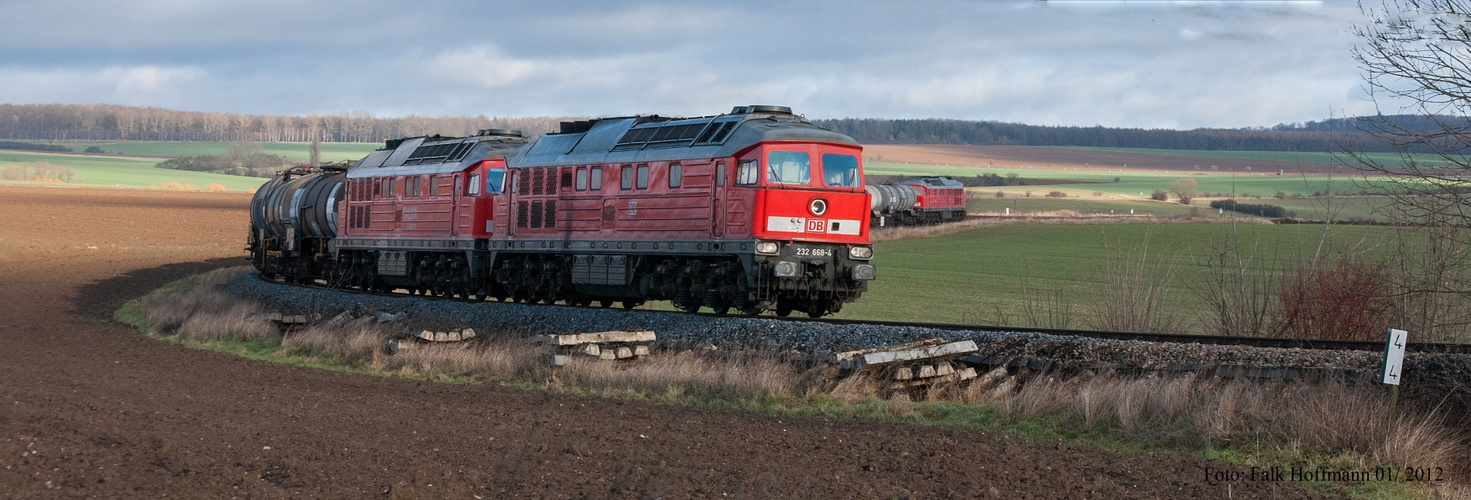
840 170
493 179
786 167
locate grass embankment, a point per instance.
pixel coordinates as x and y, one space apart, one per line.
983 274
1332 426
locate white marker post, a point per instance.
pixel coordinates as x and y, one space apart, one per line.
1394 361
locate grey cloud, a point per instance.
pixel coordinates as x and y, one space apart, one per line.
1067 64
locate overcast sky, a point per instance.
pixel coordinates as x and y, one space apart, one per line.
1113 63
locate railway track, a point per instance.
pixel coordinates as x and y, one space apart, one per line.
1178 338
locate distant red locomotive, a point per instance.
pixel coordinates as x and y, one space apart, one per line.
754 210
917 200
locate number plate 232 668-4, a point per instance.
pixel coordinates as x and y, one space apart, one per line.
814 252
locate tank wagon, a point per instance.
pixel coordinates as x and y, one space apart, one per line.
916 200
753 210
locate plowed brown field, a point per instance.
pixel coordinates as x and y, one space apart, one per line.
1035 157
90 408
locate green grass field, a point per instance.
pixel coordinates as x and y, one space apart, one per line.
125 171
114 171
1292 156
967 276
1340 208
1130 183
294 151
986 202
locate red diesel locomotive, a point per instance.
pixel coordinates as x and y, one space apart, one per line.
916 200
754 210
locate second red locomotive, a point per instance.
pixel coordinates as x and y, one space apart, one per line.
754 210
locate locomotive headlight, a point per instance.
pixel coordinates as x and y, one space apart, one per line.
785 269
767 247
864 272
860 252
817 206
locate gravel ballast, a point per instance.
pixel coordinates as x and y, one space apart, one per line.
817 339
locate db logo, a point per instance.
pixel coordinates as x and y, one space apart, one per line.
816 226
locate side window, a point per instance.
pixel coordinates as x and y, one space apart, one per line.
474 186
720 173
581 179
494 178
675 175
413 191
597 178
433 185
747 174
388 187
377 188
788 167
643 176
626 178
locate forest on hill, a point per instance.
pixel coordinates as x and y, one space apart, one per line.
104 122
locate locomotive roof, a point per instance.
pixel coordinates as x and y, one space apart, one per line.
936 182
653 138
435 154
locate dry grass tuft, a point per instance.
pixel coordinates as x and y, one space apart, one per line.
1328 418
688 373
203 312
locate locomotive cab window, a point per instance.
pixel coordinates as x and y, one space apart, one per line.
473 187
494 179
747 173
626 178
675 175
597 179
581 179
840 170
787 167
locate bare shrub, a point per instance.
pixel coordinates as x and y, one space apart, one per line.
13 173
1428 282
1046 308
1135 294
1159 195
1238 290
1056 194
1343 298
1184 189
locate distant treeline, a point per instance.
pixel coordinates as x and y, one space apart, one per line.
101 122
26 146
104 122
1327 136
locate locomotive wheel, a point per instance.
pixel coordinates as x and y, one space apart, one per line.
605 303
689 306
721 310
630 303
752 310
783 311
